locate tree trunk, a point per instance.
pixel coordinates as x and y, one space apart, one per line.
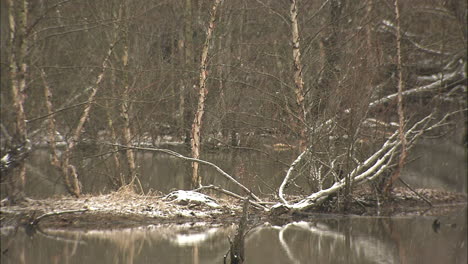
69 170
126 105
186 100
329 56
117 180
401 115
17 17
203 91
298 80
237 247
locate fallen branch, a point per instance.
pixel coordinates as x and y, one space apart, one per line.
180 156
235 195
366 171
288 176
388 26
450 77
36 221
415 192
457 76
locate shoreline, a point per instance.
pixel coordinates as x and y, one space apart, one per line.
123 209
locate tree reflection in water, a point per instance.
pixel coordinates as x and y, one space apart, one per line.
324 239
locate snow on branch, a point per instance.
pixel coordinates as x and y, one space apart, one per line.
288 176
365 171
458 75
450 77
388 26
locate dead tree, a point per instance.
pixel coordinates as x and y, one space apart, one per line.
237 247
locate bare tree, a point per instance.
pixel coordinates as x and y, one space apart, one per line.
203 92
401 115
126 107
17 18
338 104
298 81
345 167
67 169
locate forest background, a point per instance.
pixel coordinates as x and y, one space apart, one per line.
329 80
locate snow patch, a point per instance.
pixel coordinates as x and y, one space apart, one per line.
191 197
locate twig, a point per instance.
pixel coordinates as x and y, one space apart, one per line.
57 111
415 192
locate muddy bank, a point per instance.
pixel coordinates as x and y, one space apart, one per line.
125 209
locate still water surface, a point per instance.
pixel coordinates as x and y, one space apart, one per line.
322 239
439 164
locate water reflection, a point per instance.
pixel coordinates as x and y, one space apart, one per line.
168 244
321 240
438 164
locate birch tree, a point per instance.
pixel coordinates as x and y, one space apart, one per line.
17 19
202 93
298 80
392 152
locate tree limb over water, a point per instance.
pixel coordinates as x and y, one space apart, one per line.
180 156
368 170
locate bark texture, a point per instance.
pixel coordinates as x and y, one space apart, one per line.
401 115
202 93
17 18
298 80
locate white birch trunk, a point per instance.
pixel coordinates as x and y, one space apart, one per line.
298 80
203 91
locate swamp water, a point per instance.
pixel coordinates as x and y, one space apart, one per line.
323 239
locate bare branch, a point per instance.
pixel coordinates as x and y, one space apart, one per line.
288 176
370 169
180 156
232 194
450 77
